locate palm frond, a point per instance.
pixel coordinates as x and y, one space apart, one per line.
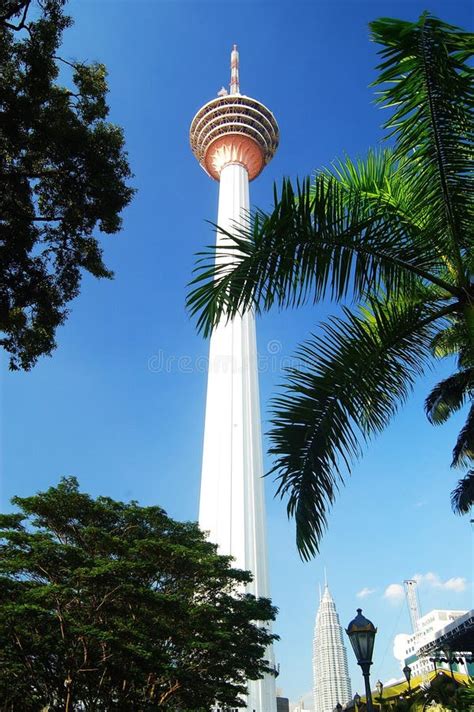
454 341
312 245
449 395
463 452
427 82
379 178
351 382
462 497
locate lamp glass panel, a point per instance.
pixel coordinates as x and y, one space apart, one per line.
363 645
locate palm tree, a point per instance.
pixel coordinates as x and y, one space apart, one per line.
391 236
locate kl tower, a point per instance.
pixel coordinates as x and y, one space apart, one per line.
233 137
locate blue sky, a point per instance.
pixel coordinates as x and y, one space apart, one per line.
121 403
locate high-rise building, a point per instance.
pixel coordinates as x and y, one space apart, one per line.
408 649
282 703
234 137
331 682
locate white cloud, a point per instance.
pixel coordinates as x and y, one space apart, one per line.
456 583
365 592
400 645
429 578
394 592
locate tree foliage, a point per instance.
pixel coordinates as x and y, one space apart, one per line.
444 693
112 606
63 176
462 497
392 234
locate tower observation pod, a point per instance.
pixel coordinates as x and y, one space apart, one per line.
233 137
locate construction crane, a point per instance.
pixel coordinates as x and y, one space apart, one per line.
413 603
411 593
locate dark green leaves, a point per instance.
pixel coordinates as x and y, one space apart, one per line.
462 497
449 396
463 452
426 80
135 610
63 176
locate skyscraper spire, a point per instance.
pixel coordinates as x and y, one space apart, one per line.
331 682
234 71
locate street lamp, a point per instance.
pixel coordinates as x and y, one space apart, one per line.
356 701
379 687
407 673
361 633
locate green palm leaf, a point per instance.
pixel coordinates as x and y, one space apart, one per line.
426 79
379 178
350 384
449 396
323 240
463 453
454 341
462 497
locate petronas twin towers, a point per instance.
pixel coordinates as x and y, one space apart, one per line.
331 682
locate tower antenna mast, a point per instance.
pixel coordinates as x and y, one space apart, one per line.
234 71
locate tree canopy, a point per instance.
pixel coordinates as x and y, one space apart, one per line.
63 176
106 605
392 237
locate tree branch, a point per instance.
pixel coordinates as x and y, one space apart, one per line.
107 595
74 65
22 24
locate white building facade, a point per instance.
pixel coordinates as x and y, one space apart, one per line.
406 647
234 137
331 682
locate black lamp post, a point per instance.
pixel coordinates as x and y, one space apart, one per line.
407 673
361 633
356 701
379 687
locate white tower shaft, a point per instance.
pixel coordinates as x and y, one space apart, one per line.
232 505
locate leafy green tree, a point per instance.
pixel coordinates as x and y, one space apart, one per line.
464 698
63 174
391 234
446 693
112 606
439 692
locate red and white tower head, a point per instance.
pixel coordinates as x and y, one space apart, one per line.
234 129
